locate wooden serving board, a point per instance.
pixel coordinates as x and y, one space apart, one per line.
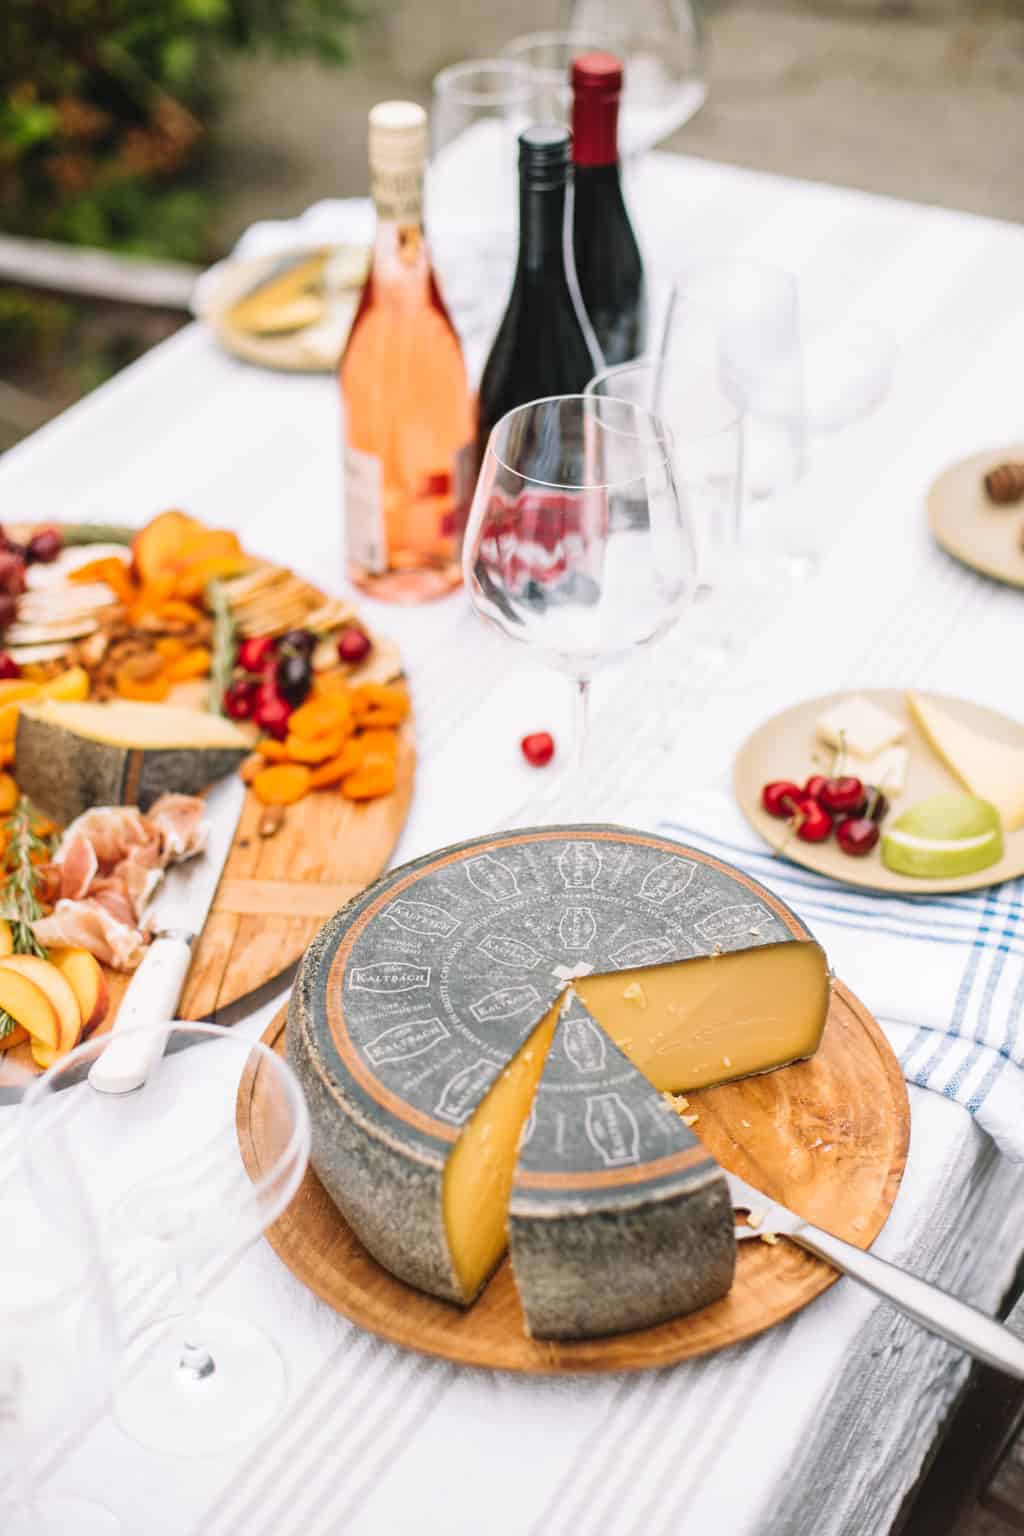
828 1137
277 892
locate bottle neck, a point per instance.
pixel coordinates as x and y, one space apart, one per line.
595 128
399 248
542 228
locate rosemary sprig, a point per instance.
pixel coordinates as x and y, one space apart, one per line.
20 901
224 647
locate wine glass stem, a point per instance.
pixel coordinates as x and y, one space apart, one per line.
195 1361
581 687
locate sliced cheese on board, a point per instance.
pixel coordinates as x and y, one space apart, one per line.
990 769
412 1004
706 1021
619 1218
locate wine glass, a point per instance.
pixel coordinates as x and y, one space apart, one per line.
578 545
479 109
174 1207
58 1341
660 44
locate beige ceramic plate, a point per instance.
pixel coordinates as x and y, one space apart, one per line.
970 527
783 748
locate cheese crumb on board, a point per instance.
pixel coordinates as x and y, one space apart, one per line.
859 726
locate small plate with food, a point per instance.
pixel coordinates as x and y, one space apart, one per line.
976 512
894 791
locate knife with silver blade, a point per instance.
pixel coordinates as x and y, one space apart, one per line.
938 1311
176 915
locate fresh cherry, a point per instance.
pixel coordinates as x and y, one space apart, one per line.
814 786
813 824
876 806
8 609
8 666
857 835
254 653
780 796
272 714
240 699
12 573
293 675
353 646
538 748
45 545
301 641
843 796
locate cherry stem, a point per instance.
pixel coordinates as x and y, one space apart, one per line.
794 823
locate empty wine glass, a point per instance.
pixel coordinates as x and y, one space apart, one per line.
479 109
660 44
578 545
174 1207
58 1341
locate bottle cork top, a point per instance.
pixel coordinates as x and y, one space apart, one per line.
597 72
398 135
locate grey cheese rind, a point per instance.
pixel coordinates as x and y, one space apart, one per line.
437 974
611 1258
69 773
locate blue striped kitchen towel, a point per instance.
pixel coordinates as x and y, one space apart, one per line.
944 975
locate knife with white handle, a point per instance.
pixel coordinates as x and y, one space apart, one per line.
176 914
938 1311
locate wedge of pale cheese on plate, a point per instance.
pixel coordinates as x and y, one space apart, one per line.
993 770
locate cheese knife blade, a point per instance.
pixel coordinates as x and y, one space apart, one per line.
176 915
934 1309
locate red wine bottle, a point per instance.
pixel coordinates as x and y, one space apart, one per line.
545 345
608 264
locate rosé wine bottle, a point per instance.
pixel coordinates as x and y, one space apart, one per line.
408 408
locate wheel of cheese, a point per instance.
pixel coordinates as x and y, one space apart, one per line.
486 1037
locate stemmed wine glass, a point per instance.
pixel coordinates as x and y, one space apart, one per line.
58 1340
578 544
175 1206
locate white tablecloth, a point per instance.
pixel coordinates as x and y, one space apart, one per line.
823 1424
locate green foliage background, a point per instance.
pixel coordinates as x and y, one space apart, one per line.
105 105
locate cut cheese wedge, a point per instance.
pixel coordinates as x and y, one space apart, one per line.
422 1022
707 1021
990 769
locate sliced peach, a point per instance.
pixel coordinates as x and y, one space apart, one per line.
158 545
58 989
85 975
14 1037
29 1006
43 1055
6 938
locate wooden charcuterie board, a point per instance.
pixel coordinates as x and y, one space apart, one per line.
827 1136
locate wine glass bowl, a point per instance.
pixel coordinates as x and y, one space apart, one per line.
175 1207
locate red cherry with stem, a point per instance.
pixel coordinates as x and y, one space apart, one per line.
876 806
814 786
254 653
780 796
857 835
45 545
811 822
271 715
538 748
8 666
240 699
353 646
842 795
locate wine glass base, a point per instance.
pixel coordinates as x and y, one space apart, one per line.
54 1516
165 1408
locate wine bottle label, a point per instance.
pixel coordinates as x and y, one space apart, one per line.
364 511
397 192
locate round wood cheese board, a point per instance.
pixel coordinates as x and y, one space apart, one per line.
827 1136
972 529
782 748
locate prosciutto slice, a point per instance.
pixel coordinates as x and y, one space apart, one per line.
109 863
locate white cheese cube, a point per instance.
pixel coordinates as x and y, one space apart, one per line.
860 726
887 769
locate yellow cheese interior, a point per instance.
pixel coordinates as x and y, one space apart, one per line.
124 723
478 1173
698 1022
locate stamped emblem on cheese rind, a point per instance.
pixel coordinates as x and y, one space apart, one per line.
579 866
612 1130
667 880
462 1094
504 1004
511 952
583 1043
731 922
578 928
651 952
492 878
421 917
404 1041
389 976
